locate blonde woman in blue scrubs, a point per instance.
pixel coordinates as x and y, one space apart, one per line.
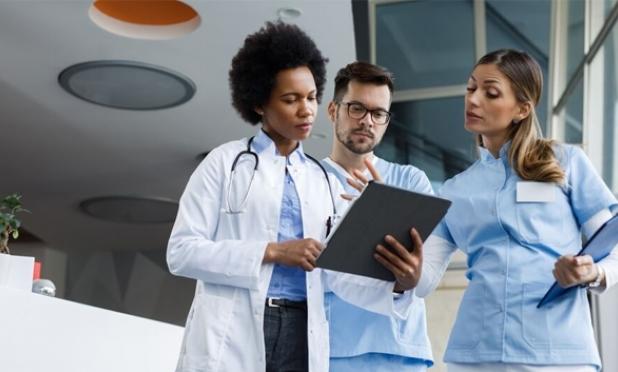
518 213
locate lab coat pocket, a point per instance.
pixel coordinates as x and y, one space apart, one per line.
206 332
469 325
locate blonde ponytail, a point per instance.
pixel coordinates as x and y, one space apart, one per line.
531 156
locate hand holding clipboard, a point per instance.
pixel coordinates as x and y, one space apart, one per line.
598 246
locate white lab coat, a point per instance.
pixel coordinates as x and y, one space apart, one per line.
224 252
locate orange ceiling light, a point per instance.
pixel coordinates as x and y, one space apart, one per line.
145 19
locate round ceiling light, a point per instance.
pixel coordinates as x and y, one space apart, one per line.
288 13
127 85
130 209
145 19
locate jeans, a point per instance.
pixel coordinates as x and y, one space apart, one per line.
285 336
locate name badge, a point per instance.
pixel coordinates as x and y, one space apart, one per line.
536 192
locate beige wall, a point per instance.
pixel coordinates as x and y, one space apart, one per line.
442 308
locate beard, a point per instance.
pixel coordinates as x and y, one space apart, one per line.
346 139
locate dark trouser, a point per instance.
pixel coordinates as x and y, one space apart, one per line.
285 336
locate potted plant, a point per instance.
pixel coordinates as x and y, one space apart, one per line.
9 224
15 271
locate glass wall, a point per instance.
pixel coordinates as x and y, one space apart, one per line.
521 25
569 75
586 112
432 53
432 56
420 47
608 55
429 133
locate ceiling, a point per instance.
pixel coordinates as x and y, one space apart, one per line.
57 150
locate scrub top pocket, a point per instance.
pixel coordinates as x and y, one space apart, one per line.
551 326
551 223
469 326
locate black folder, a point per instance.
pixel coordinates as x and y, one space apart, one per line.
599 246
378 211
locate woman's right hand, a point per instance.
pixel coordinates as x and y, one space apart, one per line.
301 253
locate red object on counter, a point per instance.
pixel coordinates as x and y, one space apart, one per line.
37 271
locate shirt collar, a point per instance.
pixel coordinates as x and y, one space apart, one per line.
263 143
487 156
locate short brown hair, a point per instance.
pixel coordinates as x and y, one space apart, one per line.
362 72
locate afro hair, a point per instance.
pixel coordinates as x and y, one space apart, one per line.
275 47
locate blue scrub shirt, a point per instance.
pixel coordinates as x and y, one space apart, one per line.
512 247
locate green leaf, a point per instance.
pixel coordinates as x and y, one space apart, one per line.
9 223
14 223
12 201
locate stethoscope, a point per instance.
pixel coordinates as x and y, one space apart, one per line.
329 222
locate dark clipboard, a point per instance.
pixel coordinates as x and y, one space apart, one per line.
380 210
598 246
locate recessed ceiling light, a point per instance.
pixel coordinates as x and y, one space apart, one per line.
127 85
288 13
130 209
145 19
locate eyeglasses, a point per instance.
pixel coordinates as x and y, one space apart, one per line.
357 111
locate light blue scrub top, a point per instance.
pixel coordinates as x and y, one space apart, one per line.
512 247
287 282
354 331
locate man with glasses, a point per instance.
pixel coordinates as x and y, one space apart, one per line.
361 340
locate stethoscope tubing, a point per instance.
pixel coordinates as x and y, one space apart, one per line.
252 153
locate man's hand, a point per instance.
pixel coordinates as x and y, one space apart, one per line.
301 253
405 265
570 271
359 182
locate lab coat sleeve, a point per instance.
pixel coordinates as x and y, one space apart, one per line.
370 294
191 250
